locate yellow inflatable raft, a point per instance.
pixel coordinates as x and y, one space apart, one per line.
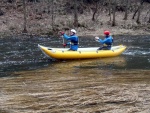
82 53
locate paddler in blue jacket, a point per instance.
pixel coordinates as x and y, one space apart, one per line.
73 39
107 42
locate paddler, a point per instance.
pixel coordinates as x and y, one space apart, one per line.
107 42
73 39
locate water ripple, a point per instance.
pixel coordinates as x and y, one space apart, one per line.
22 52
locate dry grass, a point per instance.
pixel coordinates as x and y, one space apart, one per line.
40 23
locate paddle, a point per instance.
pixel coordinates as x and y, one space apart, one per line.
64 45
61 35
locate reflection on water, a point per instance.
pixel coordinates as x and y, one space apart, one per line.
23 54
100 64
70 88
108 85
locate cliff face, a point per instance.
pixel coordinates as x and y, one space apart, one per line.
51 16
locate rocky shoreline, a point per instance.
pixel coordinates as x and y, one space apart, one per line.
99 32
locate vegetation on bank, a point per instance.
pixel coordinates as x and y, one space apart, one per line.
48 17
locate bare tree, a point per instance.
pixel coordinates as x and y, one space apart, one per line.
141 3
109 8
51 11
95 9
25 17
149 19
134 14
114 12
52 14
139 12
75 14
126 9
48 6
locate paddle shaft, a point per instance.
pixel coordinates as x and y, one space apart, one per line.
63 41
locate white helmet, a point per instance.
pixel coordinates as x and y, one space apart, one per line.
73 30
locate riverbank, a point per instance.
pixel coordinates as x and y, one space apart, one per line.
97 31
12 22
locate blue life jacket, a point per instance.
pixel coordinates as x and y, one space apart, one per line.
74 41
107 41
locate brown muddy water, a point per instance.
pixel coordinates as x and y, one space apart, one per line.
31 83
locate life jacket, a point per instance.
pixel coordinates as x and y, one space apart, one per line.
74 40
108 43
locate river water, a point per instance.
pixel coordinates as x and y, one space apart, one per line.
32 83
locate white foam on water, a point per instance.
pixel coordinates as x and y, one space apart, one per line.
132 53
